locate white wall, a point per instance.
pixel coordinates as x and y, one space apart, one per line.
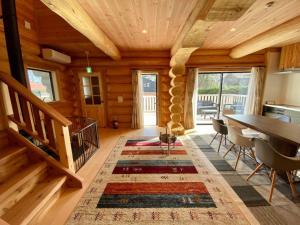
273 84
281 88
291 89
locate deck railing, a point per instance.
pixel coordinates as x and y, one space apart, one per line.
225 99
149 102
38 119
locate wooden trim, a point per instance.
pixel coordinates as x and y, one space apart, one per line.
75 181
33 99
286 31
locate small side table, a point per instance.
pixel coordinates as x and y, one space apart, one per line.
168 139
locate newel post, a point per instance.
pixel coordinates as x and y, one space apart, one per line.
63 145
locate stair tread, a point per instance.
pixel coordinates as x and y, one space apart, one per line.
32 203
10 152
7 188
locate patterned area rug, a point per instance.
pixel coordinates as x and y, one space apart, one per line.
140 184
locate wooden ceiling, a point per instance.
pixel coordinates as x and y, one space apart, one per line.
124 20
256 20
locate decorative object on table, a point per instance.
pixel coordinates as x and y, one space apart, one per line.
167 138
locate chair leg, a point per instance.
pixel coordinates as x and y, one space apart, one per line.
213 139
225 140
292 185
238 158
253 155
220 143
229 150
272 185
254 172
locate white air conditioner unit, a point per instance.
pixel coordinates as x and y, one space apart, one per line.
55 56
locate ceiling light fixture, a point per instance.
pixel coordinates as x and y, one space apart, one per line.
233 29
144 31
269 4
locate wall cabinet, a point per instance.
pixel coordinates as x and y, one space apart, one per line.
290 57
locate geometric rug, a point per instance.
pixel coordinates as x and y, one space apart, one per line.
140 184
254 193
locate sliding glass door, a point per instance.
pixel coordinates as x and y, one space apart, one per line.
220 93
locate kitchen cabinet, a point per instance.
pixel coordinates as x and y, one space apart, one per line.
290 57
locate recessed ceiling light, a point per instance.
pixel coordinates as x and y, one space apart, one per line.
144 31
233 29
269 4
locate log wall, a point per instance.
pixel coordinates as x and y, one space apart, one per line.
31 51
116 76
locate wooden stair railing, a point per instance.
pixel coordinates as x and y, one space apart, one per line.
39 120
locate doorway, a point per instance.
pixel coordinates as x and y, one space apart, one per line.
92 97
219 92
149 96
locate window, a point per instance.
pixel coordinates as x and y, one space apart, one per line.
91 90
221 92
41 84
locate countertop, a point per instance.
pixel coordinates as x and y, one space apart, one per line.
288 107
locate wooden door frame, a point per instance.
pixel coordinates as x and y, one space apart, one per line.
102 94
156 73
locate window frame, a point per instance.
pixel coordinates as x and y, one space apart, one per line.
91 86
53 82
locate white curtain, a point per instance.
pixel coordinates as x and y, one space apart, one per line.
136 120
189 99
255 91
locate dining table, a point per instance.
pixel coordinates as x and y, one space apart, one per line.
283 136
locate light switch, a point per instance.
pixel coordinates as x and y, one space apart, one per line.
120 99
27 25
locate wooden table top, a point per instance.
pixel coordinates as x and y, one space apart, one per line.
285 131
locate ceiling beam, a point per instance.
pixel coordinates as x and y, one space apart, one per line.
72 12
284 32
199 12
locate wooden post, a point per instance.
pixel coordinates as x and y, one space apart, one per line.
63 145
7 106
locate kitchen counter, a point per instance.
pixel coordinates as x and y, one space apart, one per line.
287 107
286 113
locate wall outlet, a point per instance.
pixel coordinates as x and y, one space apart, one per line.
120 99
27 25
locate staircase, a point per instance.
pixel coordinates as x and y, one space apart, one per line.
31 182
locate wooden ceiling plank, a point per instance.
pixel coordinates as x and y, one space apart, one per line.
75 15
256 20
284 32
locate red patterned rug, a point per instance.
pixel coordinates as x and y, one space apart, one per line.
140 184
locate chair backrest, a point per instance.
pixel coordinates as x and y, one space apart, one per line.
272 158
236 137
219 126
206 103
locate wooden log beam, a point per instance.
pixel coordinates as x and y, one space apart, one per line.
200 11
289 30
72 12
